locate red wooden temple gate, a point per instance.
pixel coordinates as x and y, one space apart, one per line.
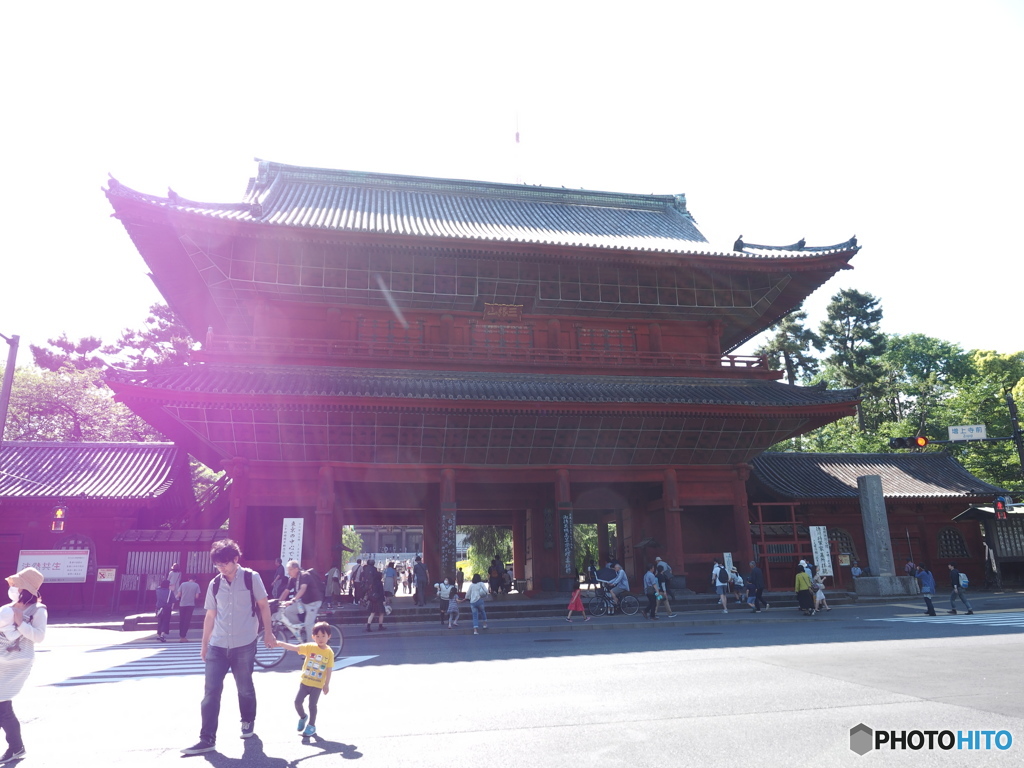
392 350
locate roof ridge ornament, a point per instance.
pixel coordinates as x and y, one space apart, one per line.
800 245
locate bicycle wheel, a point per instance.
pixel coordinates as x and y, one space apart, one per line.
629 605
269 657
337 641
597 606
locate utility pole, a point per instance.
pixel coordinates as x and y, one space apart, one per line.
1018 440
5 391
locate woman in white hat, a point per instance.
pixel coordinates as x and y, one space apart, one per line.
22 625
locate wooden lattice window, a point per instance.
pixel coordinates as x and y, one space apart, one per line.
951 544
606 339
502 336
843 541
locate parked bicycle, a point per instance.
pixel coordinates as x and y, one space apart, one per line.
271 657
603 603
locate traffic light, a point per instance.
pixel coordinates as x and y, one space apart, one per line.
908 442
60 512
1000 508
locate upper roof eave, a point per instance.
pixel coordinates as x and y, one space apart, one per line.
661 224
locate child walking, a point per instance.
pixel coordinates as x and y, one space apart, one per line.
576 604
453 605
316 674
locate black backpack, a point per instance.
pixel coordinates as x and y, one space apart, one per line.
723 575
247 578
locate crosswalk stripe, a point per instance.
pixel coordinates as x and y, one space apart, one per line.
980 619
178 660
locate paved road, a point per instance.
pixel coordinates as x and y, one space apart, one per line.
771 693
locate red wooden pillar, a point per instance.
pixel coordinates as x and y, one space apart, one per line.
323 522
741 519
446 526
673 522
238 516
519 545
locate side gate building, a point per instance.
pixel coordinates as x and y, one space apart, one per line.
395 350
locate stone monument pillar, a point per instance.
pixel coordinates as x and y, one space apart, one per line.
883 580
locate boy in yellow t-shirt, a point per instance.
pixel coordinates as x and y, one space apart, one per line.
316 674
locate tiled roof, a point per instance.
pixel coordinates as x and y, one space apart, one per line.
348 201
93 470
502 387
834 475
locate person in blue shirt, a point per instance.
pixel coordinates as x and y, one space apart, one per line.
927 588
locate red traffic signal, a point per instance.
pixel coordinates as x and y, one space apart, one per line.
908 442
1000 508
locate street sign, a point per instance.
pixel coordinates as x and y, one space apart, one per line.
967 432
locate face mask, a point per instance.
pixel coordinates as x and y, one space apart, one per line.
446 582
13 593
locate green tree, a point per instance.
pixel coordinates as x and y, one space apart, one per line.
352 540
854 344
70 405
486 542
62 352
981 399
791 346
162 341
919 372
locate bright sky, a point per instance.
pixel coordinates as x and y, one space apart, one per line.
899 122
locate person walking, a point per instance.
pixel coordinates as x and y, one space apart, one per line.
924 576
421 576
22 627
454 598
230 627
755 583
188 592
317 663
591 575
802 587
164 602
460 579
477 595
375 597
651 591
576 604
722 585
495 575
818 589
957 591
354 575
664 573
280 580
174 577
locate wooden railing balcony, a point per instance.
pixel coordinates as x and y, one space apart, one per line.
437 356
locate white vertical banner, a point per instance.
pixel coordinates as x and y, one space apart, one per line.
727 560
291 540
820 549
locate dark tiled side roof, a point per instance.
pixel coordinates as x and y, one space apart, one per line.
834 475
92 470
499 387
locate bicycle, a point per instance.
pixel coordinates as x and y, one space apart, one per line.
602 603
271 657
